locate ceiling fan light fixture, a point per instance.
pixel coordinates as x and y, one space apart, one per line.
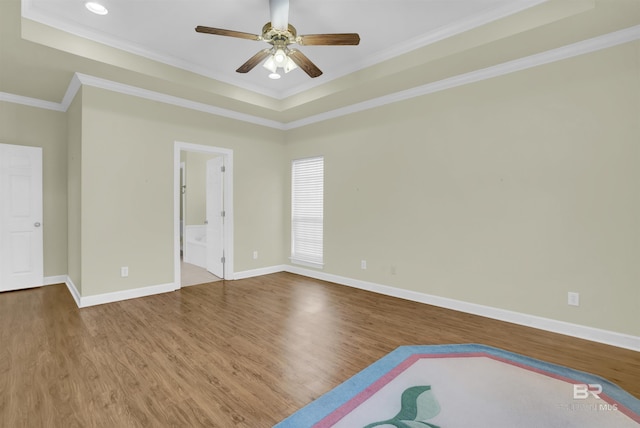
96 8
289 65
270 64
280 58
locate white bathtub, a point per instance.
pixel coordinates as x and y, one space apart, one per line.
195 251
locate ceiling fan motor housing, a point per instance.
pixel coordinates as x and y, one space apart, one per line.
275 36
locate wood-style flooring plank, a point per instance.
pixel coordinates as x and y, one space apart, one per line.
245 353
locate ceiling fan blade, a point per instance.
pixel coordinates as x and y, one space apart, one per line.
253 61
279 10
229 33
330 39
304 63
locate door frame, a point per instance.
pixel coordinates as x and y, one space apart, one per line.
227 154
183 212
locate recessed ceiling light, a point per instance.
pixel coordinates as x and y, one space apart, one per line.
96 8
274 76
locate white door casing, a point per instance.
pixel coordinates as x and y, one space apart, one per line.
183 206
21 229
215 216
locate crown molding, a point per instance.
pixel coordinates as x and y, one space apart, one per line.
565 52
31 102
558 54
173 100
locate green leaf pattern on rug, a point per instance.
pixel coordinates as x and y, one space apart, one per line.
418 404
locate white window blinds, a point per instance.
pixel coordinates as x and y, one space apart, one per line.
307 196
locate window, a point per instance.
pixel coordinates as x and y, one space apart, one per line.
307 195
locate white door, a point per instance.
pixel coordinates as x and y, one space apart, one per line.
21 246
215 216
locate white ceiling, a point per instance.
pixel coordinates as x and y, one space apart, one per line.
163 30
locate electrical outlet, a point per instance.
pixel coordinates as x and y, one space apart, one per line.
363 264
573 299
124 271
393 270
255 255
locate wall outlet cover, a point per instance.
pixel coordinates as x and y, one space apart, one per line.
573 299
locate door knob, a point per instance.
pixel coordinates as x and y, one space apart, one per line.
37 224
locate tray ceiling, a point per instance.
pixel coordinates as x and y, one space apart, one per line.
163 30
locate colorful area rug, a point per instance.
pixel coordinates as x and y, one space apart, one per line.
451 386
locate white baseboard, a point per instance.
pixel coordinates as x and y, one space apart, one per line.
116 296
57 279
620 340
74 291
613 338
259 272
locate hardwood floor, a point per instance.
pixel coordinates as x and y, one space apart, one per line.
231 354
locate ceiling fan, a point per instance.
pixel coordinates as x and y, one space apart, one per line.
280 34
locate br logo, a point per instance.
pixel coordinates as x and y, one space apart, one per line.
582 391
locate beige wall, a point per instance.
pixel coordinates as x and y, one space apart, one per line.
506 193
127 188
29 126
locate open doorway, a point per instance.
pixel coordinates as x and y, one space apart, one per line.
203 214
201 219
